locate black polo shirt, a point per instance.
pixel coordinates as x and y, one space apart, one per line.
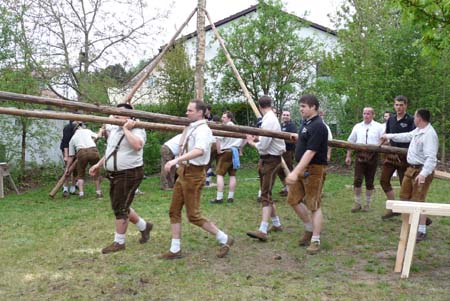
313 135
67 135
404 125
289 128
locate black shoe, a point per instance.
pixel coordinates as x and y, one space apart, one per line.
145 235
216 201
428 221
420 236
230 200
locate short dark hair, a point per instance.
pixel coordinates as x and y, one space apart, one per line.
199 105
424 114
310 100
125 106
401 98
265 101
209 107
230 115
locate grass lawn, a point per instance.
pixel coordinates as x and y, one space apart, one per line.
50 250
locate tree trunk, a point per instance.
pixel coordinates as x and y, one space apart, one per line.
200 57
23 147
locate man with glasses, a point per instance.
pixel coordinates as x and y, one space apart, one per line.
366 132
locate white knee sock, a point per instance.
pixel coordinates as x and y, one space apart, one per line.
221 237
263 227
119 238
175 245
141 224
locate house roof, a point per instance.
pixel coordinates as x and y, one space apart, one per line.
253 9
219 23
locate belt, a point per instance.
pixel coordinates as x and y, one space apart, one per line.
269 156
416 166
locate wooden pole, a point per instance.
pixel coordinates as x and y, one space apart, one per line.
157 60
172 120
200 55
161 118
233 67
241 82
105 120
63 179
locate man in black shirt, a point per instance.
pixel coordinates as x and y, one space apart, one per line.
306 180
68 132
401 122
288 156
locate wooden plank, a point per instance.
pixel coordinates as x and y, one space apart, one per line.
410 244
404 231
423 208
439 174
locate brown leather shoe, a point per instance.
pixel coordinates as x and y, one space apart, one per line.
356 208
225 248
366 208
275 229
145 235
420 236
258 235
114 247
306 239
169 255
313 248
389 214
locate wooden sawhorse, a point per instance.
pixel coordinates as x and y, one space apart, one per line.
411 212
4 171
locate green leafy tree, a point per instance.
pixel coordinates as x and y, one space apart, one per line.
432 17
175 81
16 75
377 59
269 54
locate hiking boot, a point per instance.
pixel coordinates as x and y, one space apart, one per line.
356 208
145 235
230 200
420 236
65 194
389 214
114 247
225 248
313 248
305 240
366 208
99 195
216 201
276 229
169 255
258 235
428 221
283 193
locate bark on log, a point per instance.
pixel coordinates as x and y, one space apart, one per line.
200 55
154 117
105 120
61 181
157 60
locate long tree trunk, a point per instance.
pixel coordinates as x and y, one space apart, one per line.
24 124
200 57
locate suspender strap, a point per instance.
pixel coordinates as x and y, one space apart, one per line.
114 153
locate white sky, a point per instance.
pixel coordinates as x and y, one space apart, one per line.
316 11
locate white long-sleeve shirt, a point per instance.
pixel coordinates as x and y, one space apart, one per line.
269 145
422 149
